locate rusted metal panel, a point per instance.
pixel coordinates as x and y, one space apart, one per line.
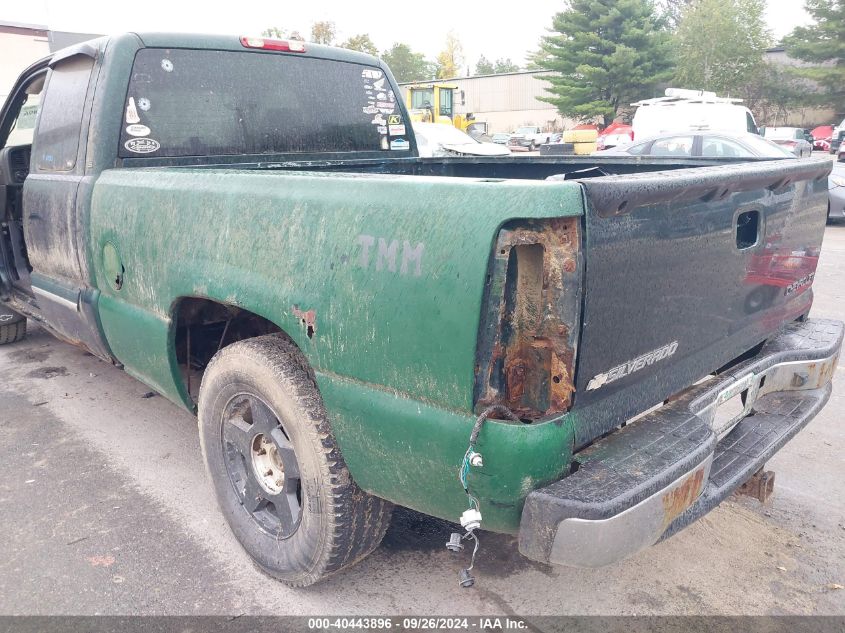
677 500
761 485
535 281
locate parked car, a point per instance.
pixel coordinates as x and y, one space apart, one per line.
836 192
501 138
837 137
792 138
356 328
439 139
529 137
690 110
615 136
821 137
703 145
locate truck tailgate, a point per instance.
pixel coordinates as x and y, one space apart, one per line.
686 270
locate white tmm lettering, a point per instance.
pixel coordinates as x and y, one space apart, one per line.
386 253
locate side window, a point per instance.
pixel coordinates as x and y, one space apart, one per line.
750 125
673 146
60 123
22 130
446 103
637 149
422 98
715 147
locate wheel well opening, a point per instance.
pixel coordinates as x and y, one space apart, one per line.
203 327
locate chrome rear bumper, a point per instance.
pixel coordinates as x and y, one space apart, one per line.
656 475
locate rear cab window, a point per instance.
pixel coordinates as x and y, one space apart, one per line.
191 102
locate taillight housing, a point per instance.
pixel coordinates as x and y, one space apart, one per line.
269 44
528 334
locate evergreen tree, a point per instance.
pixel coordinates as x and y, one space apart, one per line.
608 53
823 45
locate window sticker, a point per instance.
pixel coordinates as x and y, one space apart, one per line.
167 65
144 104
399 143
136 129
142 145
397 130
132 112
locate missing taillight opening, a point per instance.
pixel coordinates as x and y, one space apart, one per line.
528 337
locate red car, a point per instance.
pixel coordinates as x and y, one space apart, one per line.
616 134
822 136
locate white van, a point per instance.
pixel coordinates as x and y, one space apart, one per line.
689 110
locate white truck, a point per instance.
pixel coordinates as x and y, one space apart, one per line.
685 110
530 136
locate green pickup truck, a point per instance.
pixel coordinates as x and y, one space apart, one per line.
588 352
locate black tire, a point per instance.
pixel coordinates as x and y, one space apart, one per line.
266 384
12 326
532 147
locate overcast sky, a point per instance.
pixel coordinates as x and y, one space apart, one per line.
494 29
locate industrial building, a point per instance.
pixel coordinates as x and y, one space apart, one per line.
22 44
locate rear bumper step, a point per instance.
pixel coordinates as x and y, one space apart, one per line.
660 473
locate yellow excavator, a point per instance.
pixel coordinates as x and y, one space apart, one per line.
435 103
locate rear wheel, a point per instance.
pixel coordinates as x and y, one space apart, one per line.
12 326
280 479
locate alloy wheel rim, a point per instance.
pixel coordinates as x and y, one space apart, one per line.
262 465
